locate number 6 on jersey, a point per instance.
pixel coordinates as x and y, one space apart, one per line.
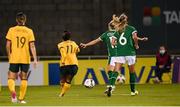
122 39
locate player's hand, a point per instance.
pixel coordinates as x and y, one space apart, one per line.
144 38
82 45
35 63
115 18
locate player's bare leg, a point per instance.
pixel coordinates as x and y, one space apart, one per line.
132 80
62 81
11 85
23 87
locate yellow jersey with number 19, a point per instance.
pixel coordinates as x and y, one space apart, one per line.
68 50
20 37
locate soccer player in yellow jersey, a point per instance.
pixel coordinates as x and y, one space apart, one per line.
68 63
19 39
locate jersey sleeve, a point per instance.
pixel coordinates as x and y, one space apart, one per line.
62 52
133 30
103 37
9 34
77 49
31 39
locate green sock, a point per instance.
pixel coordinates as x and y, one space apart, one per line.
114 77
110 74
132 81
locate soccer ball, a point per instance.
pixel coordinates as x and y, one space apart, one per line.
89 83
121 79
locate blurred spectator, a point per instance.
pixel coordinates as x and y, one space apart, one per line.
163 63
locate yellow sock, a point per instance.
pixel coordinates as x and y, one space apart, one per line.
11 85
23 89
65 88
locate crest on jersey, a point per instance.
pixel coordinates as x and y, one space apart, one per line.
110 34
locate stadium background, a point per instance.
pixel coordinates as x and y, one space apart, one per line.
87 19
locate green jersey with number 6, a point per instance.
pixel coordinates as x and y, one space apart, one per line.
107 38
125 42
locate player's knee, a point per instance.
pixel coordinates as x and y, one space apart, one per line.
11 75
68 80
23 76
117 68
131 68
111 68
62 84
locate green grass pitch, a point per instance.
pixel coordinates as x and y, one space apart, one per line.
149 94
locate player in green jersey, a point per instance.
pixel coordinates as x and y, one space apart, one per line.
107 38
127 44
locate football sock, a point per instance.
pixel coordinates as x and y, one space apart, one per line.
11 85
23 89
114 77
65 88
132 81
110 74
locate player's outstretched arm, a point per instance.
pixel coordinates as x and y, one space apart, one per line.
143 38
93 42
33 51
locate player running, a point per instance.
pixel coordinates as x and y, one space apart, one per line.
68 63
19 39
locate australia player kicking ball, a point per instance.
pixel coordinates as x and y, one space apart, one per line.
68 63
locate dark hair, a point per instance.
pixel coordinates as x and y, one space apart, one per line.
20 17
66 35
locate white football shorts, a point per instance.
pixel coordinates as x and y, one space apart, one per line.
123 59
112 61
